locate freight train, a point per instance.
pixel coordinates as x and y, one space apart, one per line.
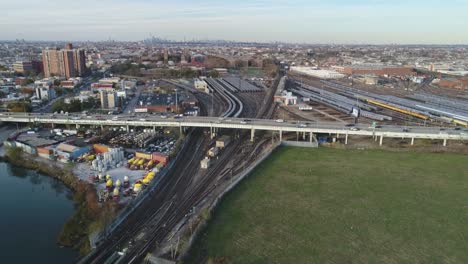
395 108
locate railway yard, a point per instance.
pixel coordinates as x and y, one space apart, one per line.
186 188
386 107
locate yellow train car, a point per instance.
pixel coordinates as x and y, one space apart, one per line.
397 109
460 122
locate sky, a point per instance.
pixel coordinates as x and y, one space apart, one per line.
294 21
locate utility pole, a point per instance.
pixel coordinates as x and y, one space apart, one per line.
176 101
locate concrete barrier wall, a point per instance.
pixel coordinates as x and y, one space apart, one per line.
301 144
218 199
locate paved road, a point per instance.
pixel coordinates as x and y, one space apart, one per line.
241 123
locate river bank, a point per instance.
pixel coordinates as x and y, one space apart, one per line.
88 217
34 207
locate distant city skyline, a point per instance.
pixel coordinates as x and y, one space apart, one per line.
295 21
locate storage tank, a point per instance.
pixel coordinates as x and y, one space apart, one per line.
109 183
116 192
118 183
137 187
146 181
126 182
108 177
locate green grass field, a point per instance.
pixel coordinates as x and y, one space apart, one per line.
343 206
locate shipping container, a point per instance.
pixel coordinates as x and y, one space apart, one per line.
44 151
143 155
99 148
160 158
213 152
223 142
205 163
46 156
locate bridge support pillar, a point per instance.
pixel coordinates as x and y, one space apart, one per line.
445 142
128 129
281 135
311 137
346 139
412 141
212 135
252 135
181 131
154 129
304 135
77 126
102 127
381 140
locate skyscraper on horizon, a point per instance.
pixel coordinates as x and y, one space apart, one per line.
68 62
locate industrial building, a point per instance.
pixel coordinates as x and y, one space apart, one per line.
377 70
201 85
29 141
286 98
318 73
158 103
67 152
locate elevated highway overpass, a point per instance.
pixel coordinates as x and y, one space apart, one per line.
215 123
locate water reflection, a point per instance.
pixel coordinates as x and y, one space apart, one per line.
35 207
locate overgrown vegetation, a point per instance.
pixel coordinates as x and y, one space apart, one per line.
74 105
127 68
19 106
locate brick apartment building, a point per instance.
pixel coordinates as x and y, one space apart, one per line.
66 62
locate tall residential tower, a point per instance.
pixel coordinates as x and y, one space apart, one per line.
68 62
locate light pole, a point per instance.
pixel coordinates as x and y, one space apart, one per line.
177 101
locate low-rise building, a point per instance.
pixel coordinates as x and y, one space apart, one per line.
45 93
286 98
318 73
201 85
67 152
109 99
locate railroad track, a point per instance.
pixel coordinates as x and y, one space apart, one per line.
192 197
176 194
235 106
164 192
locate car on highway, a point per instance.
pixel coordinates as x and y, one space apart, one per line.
354 129
302 125
457 128
349 125
243 122
142 119
406 130
279 121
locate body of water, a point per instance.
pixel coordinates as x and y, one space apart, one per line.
33 209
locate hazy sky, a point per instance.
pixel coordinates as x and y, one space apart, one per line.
311 21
